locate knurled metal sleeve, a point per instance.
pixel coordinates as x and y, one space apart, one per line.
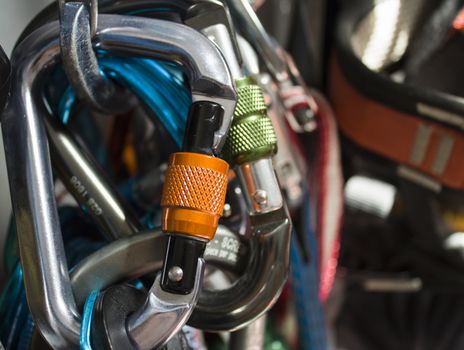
194 194
251 136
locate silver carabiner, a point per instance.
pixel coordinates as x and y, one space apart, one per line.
280 65
289 165
46 277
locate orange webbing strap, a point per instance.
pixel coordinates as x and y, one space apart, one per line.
424 145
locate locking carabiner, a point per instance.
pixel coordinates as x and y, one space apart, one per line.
132 257
195 186
250 147
290 166
28 162
301 116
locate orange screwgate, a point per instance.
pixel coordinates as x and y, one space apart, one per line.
194 194
193 198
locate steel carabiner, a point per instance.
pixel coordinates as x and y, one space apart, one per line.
277 62
28 162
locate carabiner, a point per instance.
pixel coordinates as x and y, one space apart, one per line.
301 114
132 257
79 172
254 31
213 19
28 162
290 166
250 147
196 14
127 259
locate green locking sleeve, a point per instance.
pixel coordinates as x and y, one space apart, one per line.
252 134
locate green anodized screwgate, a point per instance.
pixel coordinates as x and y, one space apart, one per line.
251 136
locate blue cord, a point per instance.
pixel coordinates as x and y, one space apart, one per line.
167 75
155 84
305 285
26 334
66 103
85 338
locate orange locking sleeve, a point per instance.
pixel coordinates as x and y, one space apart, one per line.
194 194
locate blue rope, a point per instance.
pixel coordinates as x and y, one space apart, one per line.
305 285
153 82
85 338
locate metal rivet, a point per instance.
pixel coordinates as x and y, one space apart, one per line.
227 210
260 197
175 274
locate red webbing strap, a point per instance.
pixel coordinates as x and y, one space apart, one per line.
329 194
424 145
